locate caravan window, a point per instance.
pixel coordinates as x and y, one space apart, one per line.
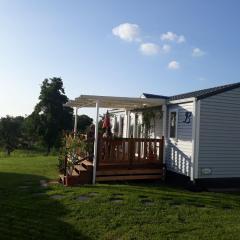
173 124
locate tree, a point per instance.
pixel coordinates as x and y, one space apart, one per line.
30 135
10 132
50 117
84 122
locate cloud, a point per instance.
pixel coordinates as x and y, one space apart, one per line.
173 65
153 49
173 37
149 49
166 48
197 52
127 31
169 36
181 39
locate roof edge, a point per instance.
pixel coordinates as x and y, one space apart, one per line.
150 95
216 92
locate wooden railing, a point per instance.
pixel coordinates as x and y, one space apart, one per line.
130 151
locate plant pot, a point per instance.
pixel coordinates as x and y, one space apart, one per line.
69 181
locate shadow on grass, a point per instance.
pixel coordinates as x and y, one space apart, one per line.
27 212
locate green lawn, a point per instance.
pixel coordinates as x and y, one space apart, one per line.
151 211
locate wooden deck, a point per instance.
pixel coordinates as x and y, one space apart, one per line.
123 159
130 159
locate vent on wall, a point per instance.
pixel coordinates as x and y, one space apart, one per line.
206 171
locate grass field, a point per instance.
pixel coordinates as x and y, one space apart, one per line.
124 211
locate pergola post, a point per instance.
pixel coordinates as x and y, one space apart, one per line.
135 125
75 122
95 143
165 125
128 124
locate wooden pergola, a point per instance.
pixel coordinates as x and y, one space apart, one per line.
124 103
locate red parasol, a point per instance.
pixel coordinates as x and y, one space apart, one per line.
106 121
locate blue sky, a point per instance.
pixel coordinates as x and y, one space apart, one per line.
120 48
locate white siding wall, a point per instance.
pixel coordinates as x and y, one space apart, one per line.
219 142
156 124
157 128
123 115
117 117
179 151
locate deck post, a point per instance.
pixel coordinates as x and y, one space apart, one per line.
95 143
193 140
75 122
165 125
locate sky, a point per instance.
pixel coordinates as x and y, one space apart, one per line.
115 48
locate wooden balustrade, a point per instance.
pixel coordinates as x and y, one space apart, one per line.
130 151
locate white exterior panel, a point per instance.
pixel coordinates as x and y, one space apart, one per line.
219 142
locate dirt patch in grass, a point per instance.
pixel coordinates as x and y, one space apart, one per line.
56 196
116 200
82 198
93 194
43 183
118 195
147 202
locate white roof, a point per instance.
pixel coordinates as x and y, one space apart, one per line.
114 102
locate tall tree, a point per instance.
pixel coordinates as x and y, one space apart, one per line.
50 116
10 132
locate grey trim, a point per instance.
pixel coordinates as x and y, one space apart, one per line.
200 94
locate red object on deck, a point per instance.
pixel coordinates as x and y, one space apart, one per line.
106 121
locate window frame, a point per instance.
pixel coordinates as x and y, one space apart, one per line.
169 124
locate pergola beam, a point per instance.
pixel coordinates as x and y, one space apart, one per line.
114 102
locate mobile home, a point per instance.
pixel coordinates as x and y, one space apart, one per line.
196 134
202 131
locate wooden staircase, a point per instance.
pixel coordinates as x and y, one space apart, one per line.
82 174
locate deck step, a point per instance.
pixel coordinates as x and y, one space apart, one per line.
84 177
62 178
129 177
80 168
87 164
116 172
